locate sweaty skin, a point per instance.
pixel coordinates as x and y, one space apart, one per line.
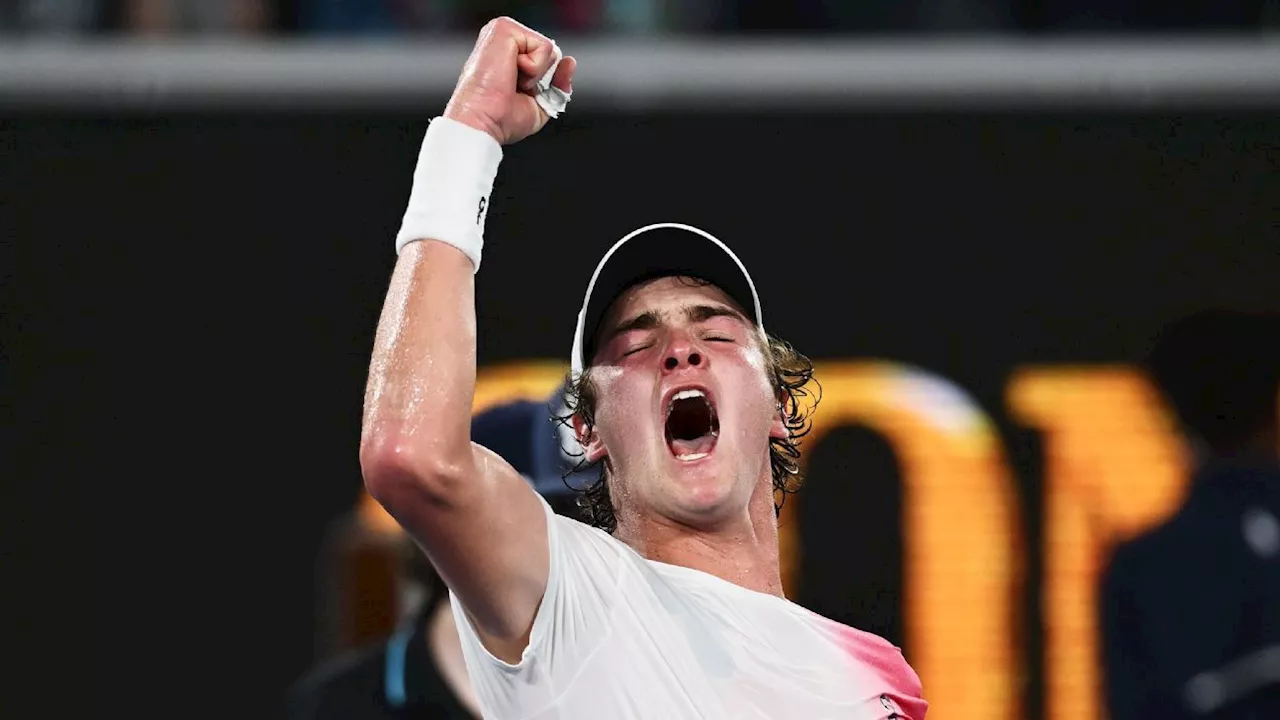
715 513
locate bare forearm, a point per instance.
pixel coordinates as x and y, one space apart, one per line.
423 371
416 451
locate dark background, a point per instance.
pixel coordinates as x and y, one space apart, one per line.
189 303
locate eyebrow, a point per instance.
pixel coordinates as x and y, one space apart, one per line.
647 320
703 313
651 319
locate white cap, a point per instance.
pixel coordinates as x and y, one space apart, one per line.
659 250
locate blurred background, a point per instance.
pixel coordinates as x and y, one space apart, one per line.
387 18
976 216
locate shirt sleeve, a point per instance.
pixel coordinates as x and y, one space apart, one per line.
571 622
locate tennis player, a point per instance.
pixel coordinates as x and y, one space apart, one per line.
670 604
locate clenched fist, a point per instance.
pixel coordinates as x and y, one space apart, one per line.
499 83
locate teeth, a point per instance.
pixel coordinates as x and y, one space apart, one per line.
682 395
691 456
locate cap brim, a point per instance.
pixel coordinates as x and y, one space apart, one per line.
662 250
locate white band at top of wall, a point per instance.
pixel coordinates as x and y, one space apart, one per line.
654 73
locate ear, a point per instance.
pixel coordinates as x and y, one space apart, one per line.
778 428
589 439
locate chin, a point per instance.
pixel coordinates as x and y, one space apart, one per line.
704 490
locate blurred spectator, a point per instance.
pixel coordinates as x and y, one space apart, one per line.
419 672
641 16
377 17
391 17
53 17
583 17
1148 16
178 17
1190 611
916 16
870 16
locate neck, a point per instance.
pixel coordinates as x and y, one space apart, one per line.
743 551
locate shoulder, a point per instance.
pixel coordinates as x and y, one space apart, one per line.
885 658
584 551
896 680
1209 518
1171 541
874 653
576 529
901 690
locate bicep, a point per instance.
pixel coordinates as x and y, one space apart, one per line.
487 539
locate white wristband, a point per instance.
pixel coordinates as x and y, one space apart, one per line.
451 187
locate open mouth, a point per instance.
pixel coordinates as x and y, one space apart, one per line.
692 425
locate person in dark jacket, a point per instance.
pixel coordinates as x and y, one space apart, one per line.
1190 611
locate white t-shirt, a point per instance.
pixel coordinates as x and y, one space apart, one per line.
619 636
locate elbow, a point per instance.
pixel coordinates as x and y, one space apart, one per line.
396 470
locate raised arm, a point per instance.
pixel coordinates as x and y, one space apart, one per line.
479 522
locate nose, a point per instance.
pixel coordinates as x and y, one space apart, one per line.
681 353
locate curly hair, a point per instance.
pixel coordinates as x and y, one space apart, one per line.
791 373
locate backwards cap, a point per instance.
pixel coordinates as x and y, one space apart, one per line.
653 251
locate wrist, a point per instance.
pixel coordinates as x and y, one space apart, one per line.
452 183
474 120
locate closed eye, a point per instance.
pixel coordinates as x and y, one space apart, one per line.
637 349
718 338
